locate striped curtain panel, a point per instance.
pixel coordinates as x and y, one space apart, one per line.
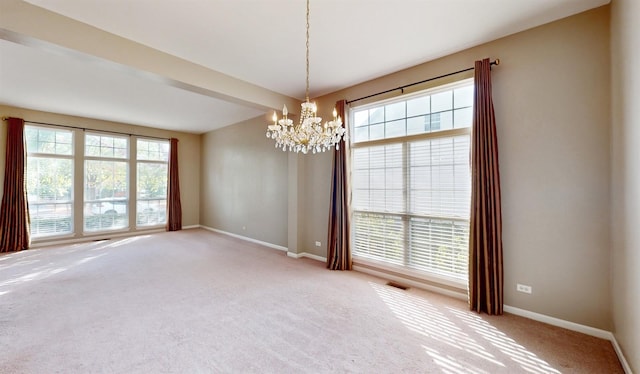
485 232
338 246
14 212
174 208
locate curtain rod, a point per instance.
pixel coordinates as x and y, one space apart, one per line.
85 129
496 62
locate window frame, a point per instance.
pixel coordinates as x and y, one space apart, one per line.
139 161
44 155
129 208
77 194
406 215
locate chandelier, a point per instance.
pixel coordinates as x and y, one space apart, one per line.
310 135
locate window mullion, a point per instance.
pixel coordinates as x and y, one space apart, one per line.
133 182
407 202
78 182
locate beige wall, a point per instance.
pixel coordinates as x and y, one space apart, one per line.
551 97
252 189
188 152
244 183
315 201
625 145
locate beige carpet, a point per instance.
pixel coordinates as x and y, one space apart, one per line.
199 302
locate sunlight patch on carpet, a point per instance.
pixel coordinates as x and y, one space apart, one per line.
420 316
516 352
39 264
455 327
449 363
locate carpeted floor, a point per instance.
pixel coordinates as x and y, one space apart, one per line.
198 302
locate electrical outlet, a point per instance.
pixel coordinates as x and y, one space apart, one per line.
523 288
318 244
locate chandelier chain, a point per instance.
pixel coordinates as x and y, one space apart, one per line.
307 88
309 135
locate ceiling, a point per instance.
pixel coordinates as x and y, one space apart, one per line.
205 47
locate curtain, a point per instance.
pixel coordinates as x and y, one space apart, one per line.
174 208
485 232
338 247
14 212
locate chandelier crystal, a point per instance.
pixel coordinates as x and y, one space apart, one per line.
309 135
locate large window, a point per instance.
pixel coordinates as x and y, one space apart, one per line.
106 182
118 181
152 164
49 180
411 181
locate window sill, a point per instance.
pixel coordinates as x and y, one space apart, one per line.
93 236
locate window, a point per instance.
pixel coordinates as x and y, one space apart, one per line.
412 183
49 180
106 182
152 164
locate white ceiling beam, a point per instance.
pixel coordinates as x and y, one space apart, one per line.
30 25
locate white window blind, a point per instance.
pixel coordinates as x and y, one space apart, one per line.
411 181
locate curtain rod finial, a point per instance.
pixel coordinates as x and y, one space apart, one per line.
497 61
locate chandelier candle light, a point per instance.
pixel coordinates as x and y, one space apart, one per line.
310 135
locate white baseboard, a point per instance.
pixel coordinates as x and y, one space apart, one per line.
409 282
274 246
270 245
623 360
191 227
266 244
307 255
602 334
588 330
